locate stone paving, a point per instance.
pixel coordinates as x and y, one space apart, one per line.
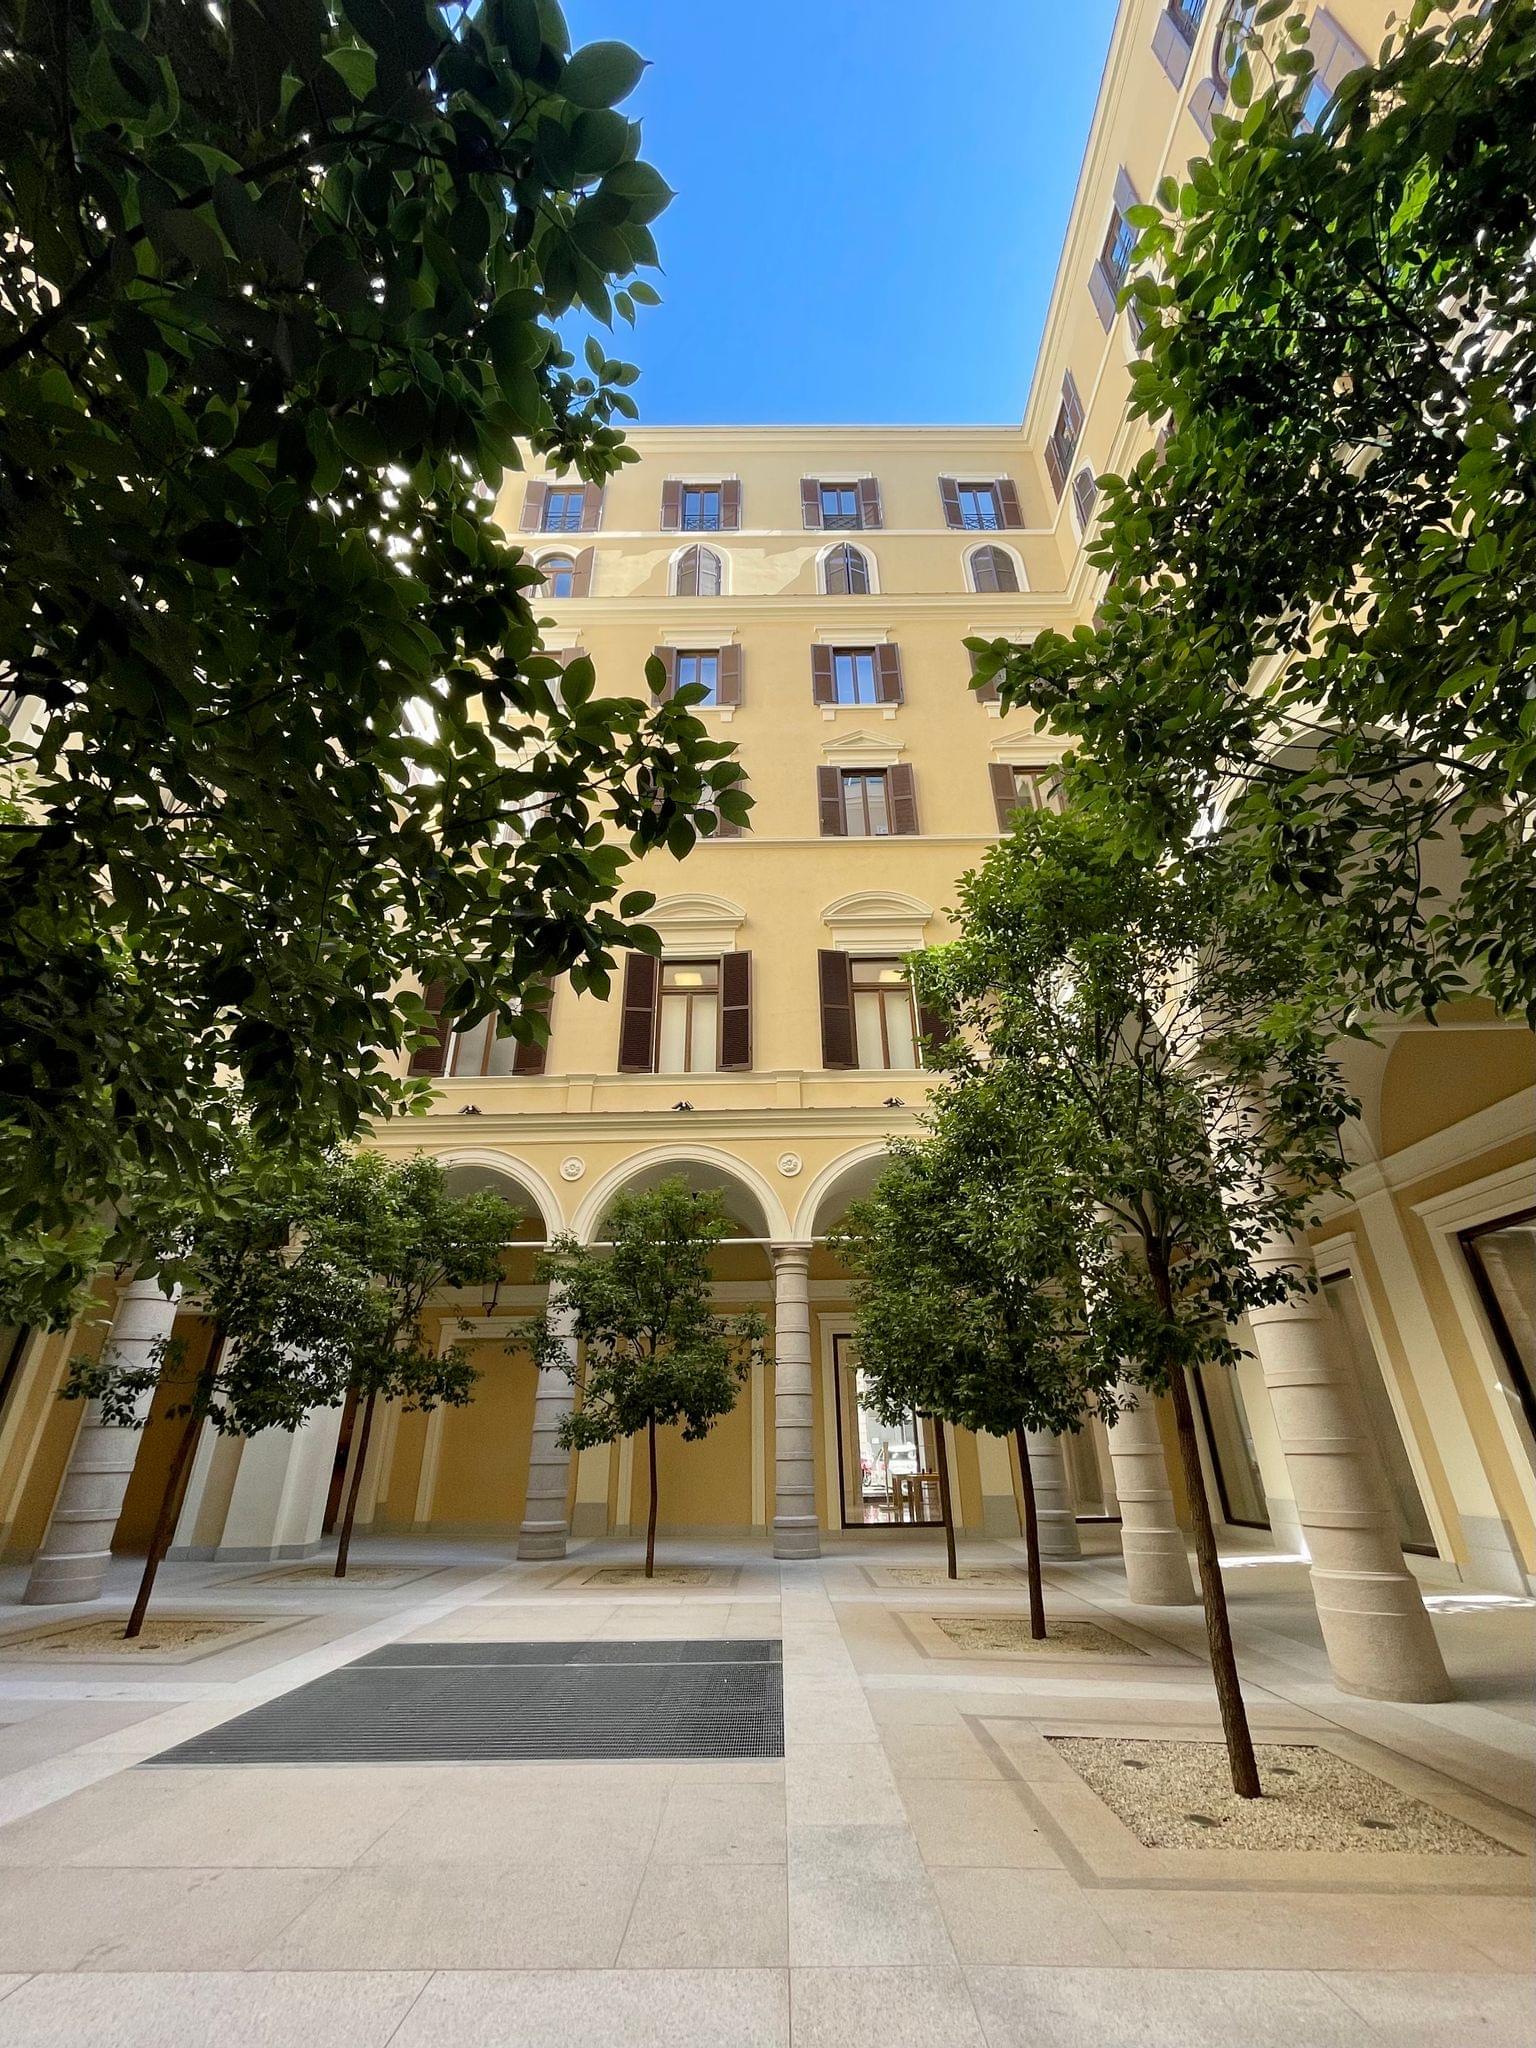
922 1867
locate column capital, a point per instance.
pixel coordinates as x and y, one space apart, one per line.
790 1255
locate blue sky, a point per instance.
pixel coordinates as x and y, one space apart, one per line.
871 200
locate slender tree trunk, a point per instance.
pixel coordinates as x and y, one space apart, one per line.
175 1490
1229 1692
650 1526
946 1504
1031 1539
355 1486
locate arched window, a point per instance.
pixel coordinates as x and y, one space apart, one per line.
993 569
697 574
557 575
845 572
1085 494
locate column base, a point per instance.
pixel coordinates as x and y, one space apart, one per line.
1059 1540
796 1536
1385 1650
63 1581
540 1540
1157 1572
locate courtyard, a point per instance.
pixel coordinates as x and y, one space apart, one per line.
926 1862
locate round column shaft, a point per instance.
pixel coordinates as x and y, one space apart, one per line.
544 1527
1157 1572
1053 1496
796 1532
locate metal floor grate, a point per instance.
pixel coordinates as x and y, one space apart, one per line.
516 1703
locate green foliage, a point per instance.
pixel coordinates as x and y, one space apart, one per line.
1335 546
279 285
656 1353
1160 1064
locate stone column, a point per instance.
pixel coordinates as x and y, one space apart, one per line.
1053 1496
544 1529
277 1503
796 1532
72 1561
1378 1636
1157 1570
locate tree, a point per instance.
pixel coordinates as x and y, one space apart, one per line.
280 1338
394 1236
969 1292
1177 1080
656 1353
1320 584
280 285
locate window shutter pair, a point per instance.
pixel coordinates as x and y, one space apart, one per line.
1062 445
728 672
637 1024
887 674
672 504
901 790
533 506
1102 288
871 511
433 1059
1009 511
1171 46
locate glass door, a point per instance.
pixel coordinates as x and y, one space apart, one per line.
888 1471
1231 1446
1354 1337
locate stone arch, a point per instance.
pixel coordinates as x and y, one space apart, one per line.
470 1168
710 1165
842 1180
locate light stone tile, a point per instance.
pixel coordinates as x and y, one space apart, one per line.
245 2009
1411 2009
152 1919
861 1852
525 1822
708 1916
850 1783
884 2008
1022 1916
856 1923
984 1826
1167 2008
1289 1931
76 1825
445 1917
721 1824
938 1753
611 2008
288 1819
922 1707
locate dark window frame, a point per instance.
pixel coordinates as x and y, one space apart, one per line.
702 521
838 521
1493 1309
573 504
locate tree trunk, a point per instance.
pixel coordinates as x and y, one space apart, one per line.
171 1499
946 1505
650 1526
1031 1539
349 1513
1229 1692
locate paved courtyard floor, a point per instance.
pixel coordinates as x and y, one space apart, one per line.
922 1866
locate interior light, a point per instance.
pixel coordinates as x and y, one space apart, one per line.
688 977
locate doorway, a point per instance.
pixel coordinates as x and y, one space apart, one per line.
1353 1336
888 1472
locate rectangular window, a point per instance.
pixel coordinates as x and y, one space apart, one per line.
701 508
1188 14
854 676
1502 1257
1334 56
1118 244
688 1017
563 511
1062 445
840 505
866 803
700 668
979 510
884 1015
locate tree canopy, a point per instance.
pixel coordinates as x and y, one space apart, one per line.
280 285
1318 619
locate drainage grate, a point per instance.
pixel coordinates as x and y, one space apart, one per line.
516 1703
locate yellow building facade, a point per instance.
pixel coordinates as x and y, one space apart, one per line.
820 583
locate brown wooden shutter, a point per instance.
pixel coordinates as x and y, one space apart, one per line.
810 501
829 803
902 789
1103 292
726 828
735 1012
823 689
869 502
987 694
1170 46
533 507
931 1025
730 504
887 673
949 492
728 674
531 1059
581 574
671 505
1004 795
667 656
1009 509
591 507
835 977
1055 467
637 1027
430 1059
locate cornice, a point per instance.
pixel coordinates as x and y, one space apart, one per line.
650 1126
706 613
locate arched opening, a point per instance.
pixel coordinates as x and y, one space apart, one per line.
846 571
697 572
993 568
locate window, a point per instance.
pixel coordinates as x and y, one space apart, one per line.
884 1014
558 575
866 803
1502 1256
1085 492
697 573
1334 57
845 573
564 511
688 1017
1016 788
853 676
1188 14
993 569
701 508
477 1050
843 504
979 509
692 507
1173 38
839 505
1062 445
856 675
699 668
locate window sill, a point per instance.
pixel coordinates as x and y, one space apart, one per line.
829 711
